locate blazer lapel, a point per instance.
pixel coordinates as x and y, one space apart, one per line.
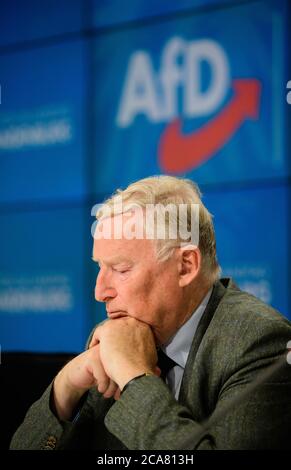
216 296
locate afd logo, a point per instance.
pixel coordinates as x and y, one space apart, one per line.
156 96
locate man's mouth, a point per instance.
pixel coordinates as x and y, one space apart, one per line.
116 314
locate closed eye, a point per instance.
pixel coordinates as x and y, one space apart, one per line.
121 271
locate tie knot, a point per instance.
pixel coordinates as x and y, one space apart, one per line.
165 363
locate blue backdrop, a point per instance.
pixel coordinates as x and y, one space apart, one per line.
96 94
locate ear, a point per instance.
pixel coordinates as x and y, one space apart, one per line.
189 264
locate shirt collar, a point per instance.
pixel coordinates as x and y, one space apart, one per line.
179 347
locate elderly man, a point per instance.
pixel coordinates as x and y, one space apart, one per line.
172 365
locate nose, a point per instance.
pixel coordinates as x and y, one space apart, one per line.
104 291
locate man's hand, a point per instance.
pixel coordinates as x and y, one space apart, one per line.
80 374
127 349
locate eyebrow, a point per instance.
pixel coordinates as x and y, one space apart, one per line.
114 260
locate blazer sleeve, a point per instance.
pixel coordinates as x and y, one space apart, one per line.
147 417
40 428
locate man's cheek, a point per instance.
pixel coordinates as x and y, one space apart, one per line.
137 310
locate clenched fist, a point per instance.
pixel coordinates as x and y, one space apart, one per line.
127 349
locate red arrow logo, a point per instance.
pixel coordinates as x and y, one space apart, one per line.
179 153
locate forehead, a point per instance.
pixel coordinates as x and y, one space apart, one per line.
121 237
120 226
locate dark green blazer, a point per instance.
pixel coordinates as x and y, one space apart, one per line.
237 337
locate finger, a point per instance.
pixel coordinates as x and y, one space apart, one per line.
103 383
111 390
94 340
96 335
93 343
117 394
101 378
